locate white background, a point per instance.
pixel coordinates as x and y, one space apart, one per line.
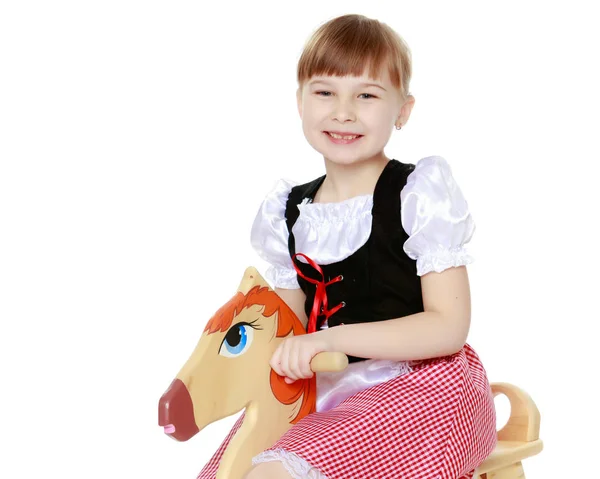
137 140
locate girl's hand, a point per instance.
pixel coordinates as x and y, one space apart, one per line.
293 356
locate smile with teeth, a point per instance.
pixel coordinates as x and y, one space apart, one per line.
339 137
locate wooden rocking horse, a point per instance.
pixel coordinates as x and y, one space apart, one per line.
229 371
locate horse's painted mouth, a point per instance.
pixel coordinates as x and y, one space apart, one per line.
169 429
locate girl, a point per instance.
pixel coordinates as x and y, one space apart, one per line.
385 242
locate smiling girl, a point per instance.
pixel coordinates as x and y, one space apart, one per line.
371 256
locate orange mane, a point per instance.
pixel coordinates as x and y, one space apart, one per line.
287 322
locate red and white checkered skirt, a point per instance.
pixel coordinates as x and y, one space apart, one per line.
436 422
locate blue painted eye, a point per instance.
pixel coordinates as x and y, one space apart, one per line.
237 340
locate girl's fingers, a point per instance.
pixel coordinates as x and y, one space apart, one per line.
300 363
294 364
284 360
290 362
275 361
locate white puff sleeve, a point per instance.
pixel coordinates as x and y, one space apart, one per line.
436 217
269 237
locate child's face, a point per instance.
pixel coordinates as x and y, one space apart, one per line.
344 104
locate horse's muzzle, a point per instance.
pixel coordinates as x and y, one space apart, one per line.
176 412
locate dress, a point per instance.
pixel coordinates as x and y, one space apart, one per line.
431 419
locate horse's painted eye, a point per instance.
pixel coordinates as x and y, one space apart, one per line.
237 340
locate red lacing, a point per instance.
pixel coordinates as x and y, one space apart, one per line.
320 302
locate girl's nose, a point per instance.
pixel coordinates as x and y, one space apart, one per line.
344 110
343 115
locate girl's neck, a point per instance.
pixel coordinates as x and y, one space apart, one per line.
343 182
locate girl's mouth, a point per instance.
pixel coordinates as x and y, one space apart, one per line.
343 141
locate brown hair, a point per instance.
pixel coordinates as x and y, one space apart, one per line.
352 44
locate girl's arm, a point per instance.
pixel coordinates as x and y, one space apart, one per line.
440 330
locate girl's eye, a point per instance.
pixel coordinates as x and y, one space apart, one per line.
368 94
237 340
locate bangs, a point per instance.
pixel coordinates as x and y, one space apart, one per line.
355 45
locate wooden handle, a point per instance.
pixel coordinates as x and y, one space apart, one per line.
524 422
329 362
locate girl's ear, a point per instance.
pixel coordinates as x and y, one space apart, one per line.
405 110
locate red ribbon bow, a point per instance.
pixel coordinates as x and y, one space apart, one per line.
320 301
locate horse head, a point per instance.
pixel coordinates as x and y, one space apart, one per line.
229 368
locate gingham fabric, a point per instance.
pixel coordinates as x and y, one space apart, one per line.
436 422
209 471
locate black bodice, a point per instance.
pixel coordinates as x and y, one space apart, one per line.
379 281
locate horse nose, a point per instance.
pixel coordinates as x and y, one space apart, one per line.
176 412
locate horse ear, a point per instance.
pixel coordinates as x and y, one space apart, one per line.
251 278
